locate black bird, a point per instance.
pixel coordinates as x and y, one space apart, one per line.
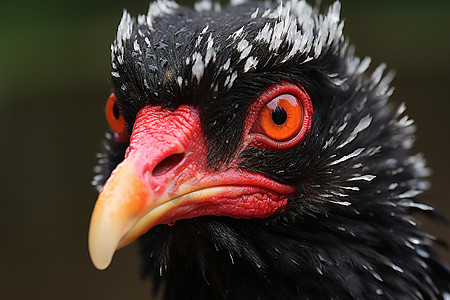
258 159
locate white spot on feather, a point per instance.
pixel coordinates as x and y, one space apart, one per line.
412 204
367 177
400 110
142 20
409 194
230 79
136 46
299 27
199 40
180 81
405 122
210 51
377 75
226 65
255 14
123 34
397 268
266 13
198 67
362 125
344 203
422 253
264 34
364 65
244 47
352 188
250 63
205 29
237 33
346 157
392 186
159 8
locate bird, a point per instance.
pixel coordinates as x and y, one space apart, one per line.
253 155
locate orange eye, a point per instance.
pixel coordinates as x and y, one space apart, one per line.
281 118
114 115
115 119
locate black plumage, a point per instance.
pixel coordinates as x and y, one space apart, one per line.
347 232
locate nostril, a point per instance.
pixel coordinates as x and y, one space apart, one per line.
167 164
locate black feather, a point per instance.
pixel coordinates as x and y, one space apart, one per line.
347 233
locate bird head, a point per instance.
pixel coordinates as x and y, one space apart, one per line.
253 123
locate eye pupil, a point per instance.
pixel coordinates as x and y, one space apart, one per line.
279 116
116 111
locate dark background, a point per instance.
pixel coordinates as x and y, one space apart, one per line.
54 81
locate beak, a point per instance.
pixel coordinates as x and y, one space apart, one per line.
126 208
164 178
118 207
129 203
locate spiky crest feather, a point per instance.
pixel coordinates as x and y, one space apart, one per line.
348 232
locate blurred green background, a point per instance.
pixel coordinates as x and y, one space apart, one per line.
54 81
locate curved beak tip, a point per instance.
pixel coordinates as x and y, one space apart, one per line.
117 208
101 263
101 250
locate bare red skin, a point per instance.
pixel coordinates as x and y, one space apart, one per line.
164 176
160 133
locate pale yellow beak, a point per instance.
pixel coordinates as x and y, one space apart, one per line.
117 210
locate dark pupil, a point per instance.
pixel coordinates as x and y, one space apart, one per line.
279 116
116 111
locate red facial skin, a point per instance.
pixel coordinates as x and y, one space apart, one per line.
164 176
159 134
